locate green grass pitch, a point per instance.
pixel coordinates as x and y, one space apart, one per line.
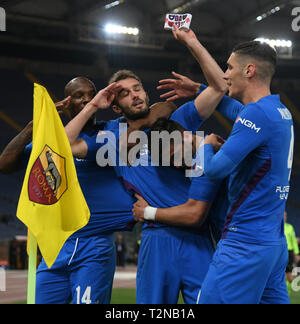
127 296
122 296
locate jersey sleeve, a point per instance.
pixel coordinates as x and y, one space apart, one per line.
201 89
250 130
230 108
106 140
187 116
204 189
104 149
91 142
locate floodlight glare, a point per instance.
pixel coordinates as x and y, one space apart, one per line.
268 13
117 29
275 42
113 4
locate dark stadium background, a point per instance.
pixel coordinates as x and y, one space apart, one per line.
51 42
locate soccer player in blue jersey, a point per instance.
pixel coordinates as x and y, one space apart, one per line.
250 261
249 265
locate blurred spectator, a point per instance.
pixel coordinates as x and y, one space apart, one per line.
121 250
293 249
137 248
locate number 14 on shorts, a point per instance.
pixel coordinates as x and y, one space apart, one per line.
85 297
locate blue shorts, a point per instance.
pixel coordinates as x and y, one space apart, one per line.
82 274
172 260
242 273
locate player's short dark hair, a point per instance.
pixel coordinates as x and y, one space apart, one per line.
261 52
163 125
78 79
123 75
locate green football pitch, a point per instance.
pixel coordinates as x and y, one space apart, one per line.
122 296
127 296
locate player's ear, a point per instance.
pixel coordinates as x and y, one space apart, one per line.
250 71
117 109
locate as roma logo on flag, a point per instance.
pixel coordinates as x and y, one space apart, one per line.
47 180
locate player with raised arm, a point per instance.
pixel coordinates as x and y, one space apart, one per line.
259 173
12 155
258 157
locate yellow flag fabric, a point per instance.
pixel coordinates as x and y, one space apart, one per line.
51 204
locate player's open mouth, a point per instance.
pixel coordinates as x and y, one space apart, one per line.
138 104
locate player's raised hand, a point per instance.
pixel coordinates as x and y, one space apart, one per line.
63 106
184 36
180 87
106 96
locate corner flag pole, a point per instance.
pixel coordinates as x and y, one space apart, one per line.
32 263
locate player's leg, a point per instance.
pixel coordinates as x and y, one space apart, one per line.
196 252
276 290
158 280
92 270
210 292
237 274
53 285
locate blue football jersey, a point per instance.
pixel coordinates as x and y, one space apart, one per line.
258 157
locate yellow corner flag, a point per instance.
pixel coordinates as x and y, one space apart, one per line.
51 204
